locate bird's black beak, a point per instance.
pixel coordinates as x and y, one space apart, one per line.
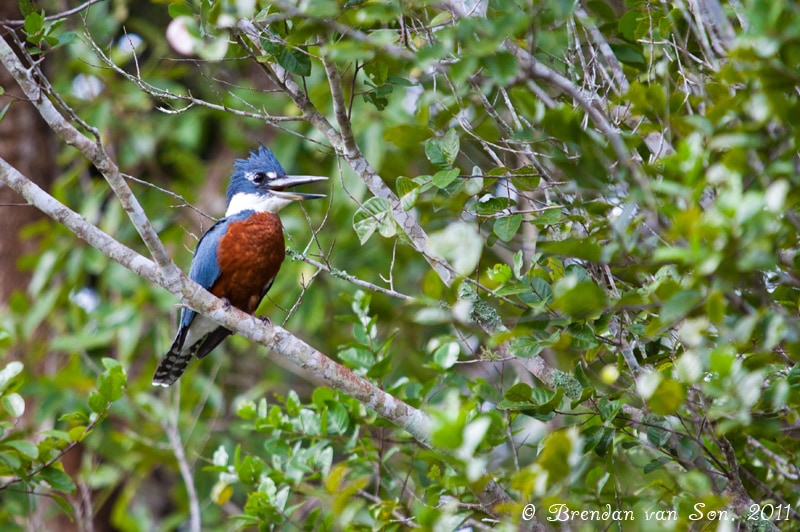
279 185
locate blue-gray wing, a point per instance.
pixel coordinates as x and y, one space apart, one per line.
205 268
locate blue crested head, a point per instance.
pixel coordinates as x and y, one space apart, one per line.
250 176
259 183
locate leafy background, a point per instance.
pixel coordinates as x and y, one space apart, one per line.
608 188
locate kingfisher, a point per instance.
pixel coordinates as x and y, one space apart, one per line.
238 258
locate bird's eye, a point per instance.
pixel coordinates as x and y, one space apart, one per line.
259 178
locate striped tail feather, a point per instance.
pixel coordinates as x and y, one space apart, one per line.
177 358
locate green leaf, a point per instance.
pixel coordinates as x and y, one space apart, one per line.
111 383
25 7
655 464
668 397
507 226
338 418
25 448
295 60
97 402
57 479
14 404
11 370
443 151
554 456
11 461
608 408
374 214
546 404
67 37
499 273
598 438
34 22
582 299
180 9
502 67
628 23
541 292
679 305
249 469
520 392
406 135
445 356
578 248
548 217
629 55
357 357
443 178
527 347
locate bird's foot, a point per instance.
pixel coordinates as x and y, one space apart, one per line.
265 320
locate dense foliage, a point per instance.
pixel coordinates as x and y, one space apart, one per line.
565 230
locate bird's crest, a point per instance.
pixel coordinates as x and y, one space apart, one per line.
261 160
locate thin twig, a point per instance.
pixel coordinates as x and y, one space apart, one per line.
170 427
341 274
57 16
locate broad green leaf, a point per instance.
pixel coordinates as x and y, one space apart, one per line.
507 226
374 214
580 299
338 418
527 347
97 402
598 438
57 479
656 435
679 305
555 452
443 178
520 392
178 9
14 404
668 397
502 67
540 292
11 370
111 384
442 151
357 357
654 465
34 22
25 448
499 273
406 135
445 356
249 469
579 248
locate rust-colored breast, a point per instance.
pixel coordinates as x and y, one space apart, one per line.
249 257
